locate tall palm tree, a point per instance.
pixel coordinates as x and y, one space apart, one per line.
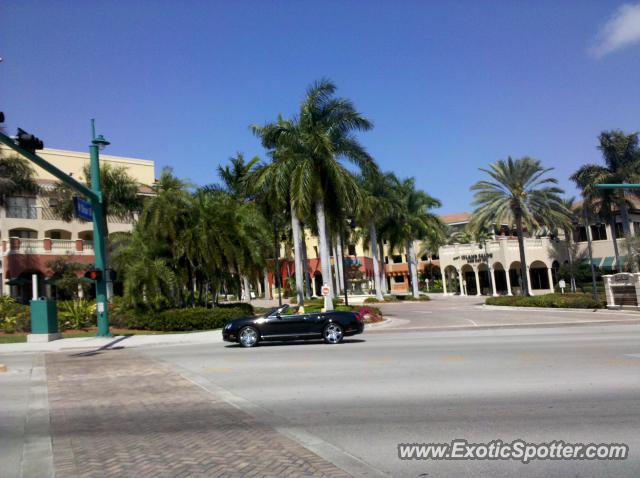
519 192
307 151
621 155
375 205
415 222
16 176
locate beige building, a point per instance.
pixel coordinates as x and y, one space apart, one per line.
493 268
32 234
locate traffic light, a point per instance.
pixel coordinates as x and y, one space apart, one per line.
93 274
28 141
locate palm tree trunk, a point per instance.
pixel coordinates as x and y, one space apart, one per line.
308 292
297 251
624 212
614 237
376 264
325 259
337 259
567 236
413 269
267 289
247 288
523 260
383 278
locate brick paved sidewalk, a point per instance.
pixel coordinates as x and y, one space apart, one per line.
120 414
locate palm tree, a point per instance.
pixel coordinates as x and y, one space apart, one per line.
119 194
374 207
307 152
519 192
415 222
621 155
16 176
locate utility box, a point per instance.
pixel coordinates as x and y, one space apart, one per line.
44 321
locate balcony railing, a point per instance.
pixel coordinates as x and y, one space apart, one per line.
17 245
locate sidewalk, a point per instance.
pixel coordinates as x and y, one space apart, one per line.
116 342
117 413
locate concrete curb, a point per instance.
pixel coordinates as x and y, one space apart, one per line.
530 325
558 309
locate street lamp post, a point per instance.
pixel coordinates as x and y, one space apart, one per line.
99 143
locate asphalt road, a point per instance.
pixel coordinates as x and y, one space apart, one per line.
363 397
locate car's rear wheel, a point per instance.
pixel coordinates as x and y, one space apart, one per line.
333 333
248 337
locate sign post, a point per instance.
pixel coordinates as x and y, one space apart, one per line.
325 293
562 284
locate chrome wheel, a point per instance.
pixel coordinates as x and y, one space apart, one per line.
248 337
333 334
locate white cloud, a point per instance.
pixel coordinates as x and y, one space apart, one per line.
622 29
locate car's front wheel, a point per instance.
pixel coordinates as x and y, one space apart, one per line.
248 337
333 333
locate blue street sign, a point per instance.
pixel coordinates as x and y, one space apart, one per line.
82 209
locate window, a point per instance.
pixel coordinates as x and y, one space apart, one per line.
397 259
315 248
424 258
580 234
386 259
619 230
398 279
352 249
23 233
22 208
599 232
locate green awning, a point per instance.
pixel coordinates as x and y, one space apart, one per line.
19 281
595 260
607 263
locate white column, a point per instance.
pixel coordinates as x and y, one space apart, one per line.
460 279
508 282
444 283
529 281
493 281
550 279
475 271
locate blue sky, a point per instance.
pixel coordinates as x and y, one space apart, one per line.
451 86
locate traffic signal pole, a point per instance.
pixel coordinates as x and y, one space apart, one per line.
98 243
95 196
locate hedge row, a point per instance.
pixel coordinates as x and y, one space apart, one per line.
561 301
178 320
397 298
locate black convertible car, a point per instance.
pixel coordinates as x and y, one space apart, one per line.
280 324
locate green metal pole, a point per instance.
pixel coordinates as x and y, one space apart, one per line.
98 245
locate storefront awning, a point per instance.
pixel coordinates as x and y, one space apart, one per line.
19 281
607 263
595 260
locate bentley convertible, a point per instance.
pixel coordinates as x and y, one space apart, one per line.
284 323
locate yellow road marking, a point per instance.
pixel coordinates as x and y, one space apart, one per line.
454 358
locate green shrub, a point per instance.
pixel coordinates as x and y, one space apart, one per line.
244 306
371 300
14 317
177 320
573 301
76 314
